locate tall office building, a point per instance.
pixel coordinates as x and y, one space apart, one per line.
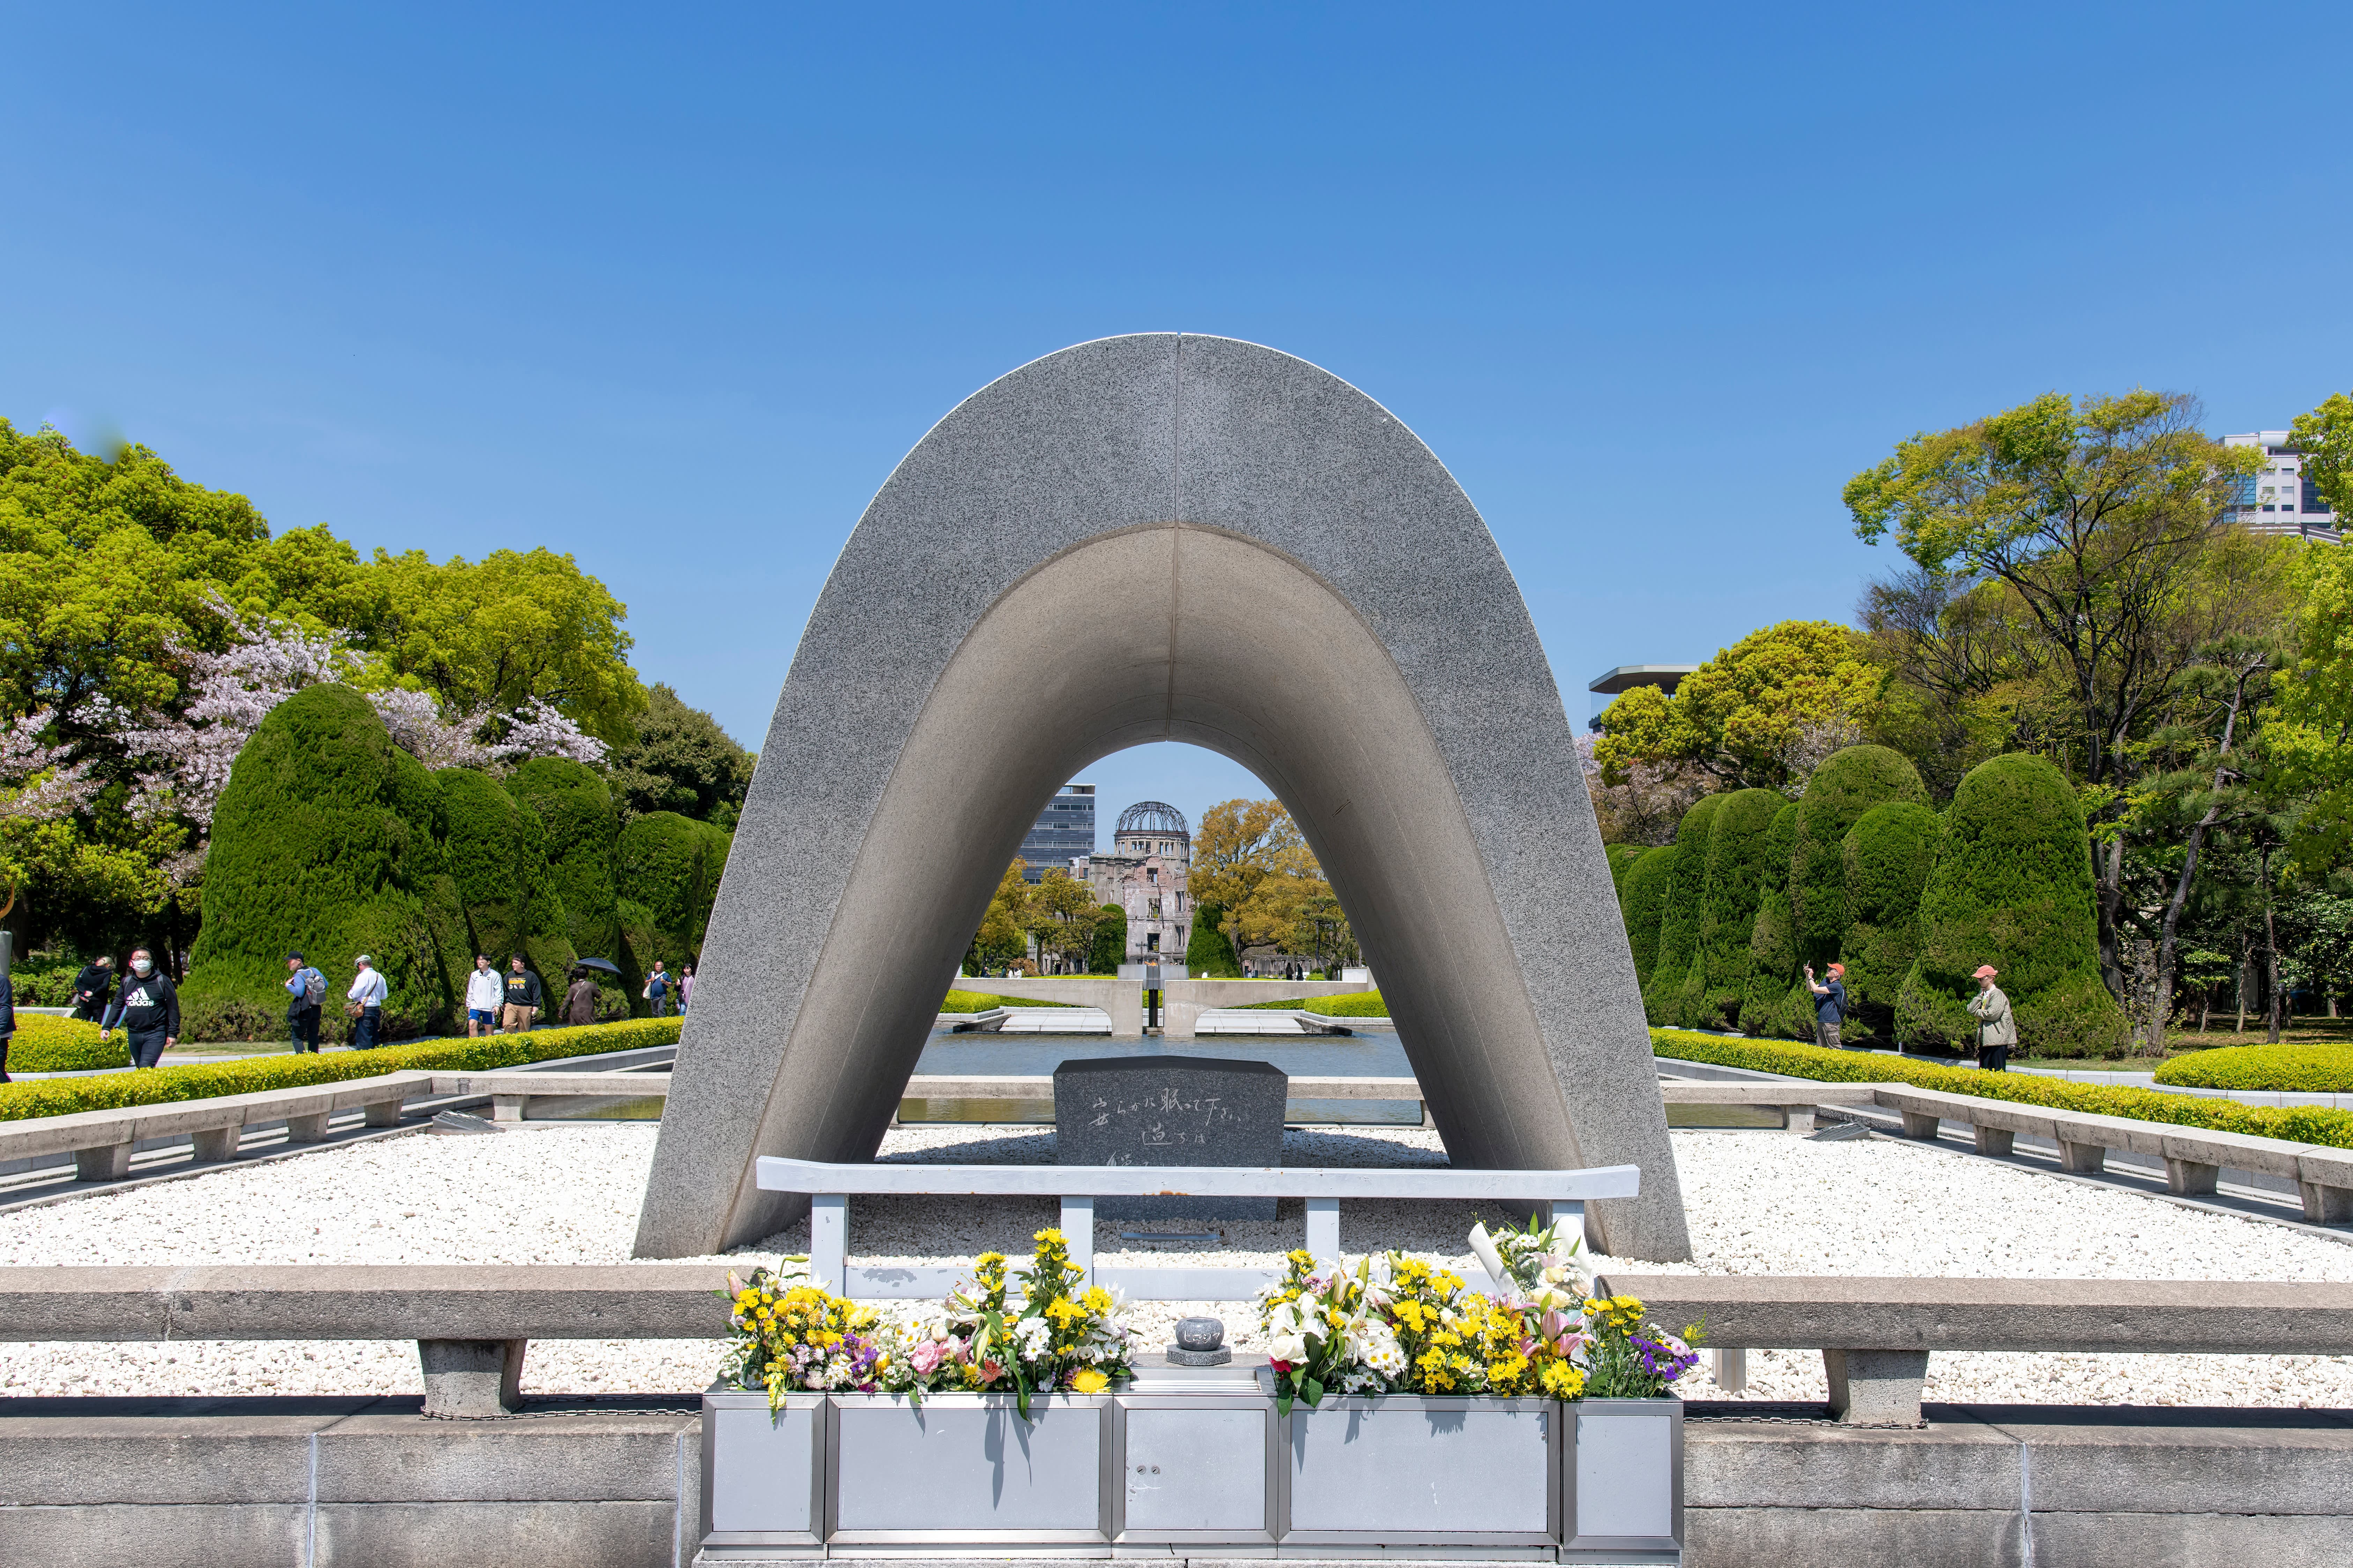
1064 832
2280 499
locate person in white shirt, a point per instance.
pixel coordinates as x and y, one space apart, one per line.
484 993
368 993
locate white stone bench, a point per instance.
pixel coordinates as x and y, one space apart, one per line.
2194 1157
830 1188
1876 1334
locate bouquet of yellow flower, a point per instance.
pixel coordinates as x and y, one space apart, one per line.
1325 1333
786 1335
1056 1331
1628 1358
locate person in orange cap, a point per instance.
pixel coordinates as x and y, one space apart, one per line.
1997 1027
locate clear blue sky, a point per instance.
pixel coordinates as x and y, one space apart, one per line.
673 287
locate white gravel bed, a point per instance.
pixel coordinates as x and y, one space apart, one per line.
1760 1204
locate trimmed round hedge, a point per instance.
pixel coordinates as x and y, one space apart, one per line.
1774 1002
1848 784
325 841
1888 854
1739 866
1641 902
670 867
575 808
1621 857
1679 919
2011 887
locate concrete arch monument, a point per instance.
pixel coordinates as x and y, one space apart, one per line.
1149 538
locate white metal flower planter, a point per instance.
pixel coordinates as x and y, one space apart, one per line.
968 1469
1410 1470
1625 1482
1194 1464
763 1478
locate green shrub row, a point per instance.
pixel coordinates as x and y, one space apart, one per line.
1347 1004
44 1043
2297 1124
2297 1069
248 1075
982 1001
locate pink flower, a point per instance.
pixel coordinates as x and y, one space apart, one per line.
925 1358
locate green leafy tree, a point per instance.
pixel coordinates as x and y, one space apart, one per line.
1062 914
1773 1003
1109 949
2325 437
1888 853
2099 518
1208 951
679 759
497 633
1739 864
2011 887
1679 920
1240 843
1002 938
1755 716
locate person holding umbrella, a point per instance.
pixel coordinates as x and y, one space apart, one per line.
580 999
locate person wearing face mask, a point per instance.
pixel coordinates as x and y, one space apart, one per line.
148 1008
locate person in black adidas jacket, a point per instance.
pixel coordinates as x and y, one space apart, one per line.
148 1007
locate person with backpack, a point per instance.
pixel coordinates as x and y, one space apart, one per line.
483 994
1997 1024
306 990
92 986
148 1009
1830 1006
522 997
365 1004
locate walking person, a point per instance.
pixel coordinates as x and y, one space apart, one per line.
306 992
485 992
657 990
364 1003
1829 1004
1997 1025
686 987
580 1001
92 986
523 997
148 1009
8 1023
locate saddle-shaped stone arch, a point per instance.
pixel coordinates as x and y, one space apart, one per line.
1164 538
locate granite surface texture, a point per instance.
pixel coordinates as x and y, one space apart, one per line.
1171 1111
1132 533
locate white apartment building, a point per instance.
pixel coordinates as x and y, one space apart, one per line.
2281 500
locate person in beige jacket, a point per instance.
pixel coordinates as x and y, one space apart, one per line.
1997 1030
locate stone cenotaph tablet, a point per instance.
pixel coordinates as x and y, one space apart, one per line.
1171 1111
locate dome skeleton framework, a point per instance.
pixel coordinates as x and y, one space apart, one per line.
1153 816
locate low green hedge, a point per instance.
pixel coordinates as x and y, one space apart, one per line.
1347 1004
248 1075
2298 1125
45 1043
2298 1069
981 1002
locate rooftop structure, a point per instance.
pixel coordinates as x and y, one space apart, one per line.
2280 499
1626 676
